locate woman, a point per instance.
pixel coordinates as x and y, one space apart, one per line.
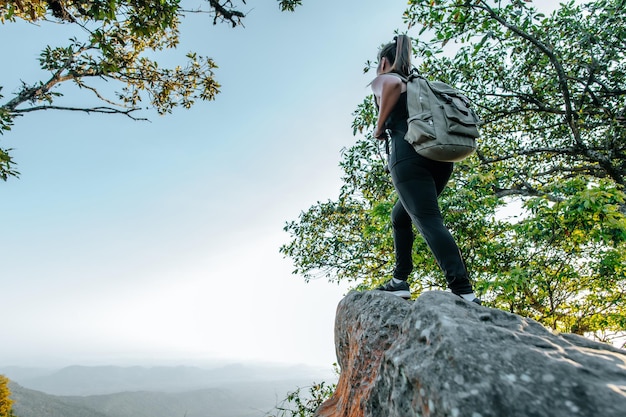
417 180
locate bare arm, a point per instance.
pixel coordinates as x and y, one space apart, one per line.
387 89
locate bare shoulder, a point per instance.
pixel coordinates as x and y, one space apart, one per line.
387 80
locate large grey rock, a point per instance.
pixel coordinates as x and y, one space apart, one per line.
442 356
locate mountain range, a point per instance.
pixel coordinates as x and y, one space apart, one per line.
234 390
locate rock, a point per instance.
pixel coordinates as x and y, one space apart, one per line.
443 356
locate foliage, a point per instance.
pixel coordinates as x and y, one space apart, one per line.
300 404
560 110
115 41
5 401
539 210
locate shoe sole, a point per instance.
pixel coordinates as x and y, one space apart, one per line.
402 294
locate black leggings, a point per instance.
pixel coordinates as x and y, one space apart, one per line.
418 182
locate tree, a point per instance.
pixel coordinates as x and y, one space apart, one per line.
113 41
551 91
5 401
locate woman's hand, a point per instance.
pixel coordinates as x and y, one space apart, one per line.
381 133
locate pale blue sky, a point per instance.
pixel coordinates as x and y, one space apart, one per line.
129 240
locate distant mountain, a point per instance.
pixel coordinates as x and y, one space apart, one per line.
18 373
237 400
98 380
29 403
235 390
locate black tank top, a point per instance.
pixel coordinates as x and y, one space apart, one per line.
400 149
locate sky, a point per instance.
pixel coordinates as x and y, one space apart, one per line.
127 242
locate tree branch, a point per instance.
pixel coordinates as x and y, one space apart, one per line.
552 150
562 77
30 94
224 14
100 109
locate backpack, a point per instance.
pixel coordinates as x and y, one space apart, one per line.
441 125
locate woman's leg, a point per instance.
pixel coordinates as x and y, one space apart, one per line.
402 241
418 190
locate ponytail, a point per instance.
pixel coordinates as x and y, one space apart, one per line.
398 53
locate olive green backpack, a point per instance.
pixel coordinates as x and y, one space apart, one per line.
441 125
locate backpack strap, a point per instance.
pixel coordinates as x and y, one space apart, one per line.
438 117
413 88
414 97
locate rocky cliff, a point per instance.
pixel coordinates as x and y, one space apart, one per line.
442 356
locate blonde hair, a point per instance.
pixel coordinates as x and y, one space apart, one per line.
398 53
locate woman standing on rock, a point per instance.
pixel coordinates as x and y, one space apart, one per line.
418 180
